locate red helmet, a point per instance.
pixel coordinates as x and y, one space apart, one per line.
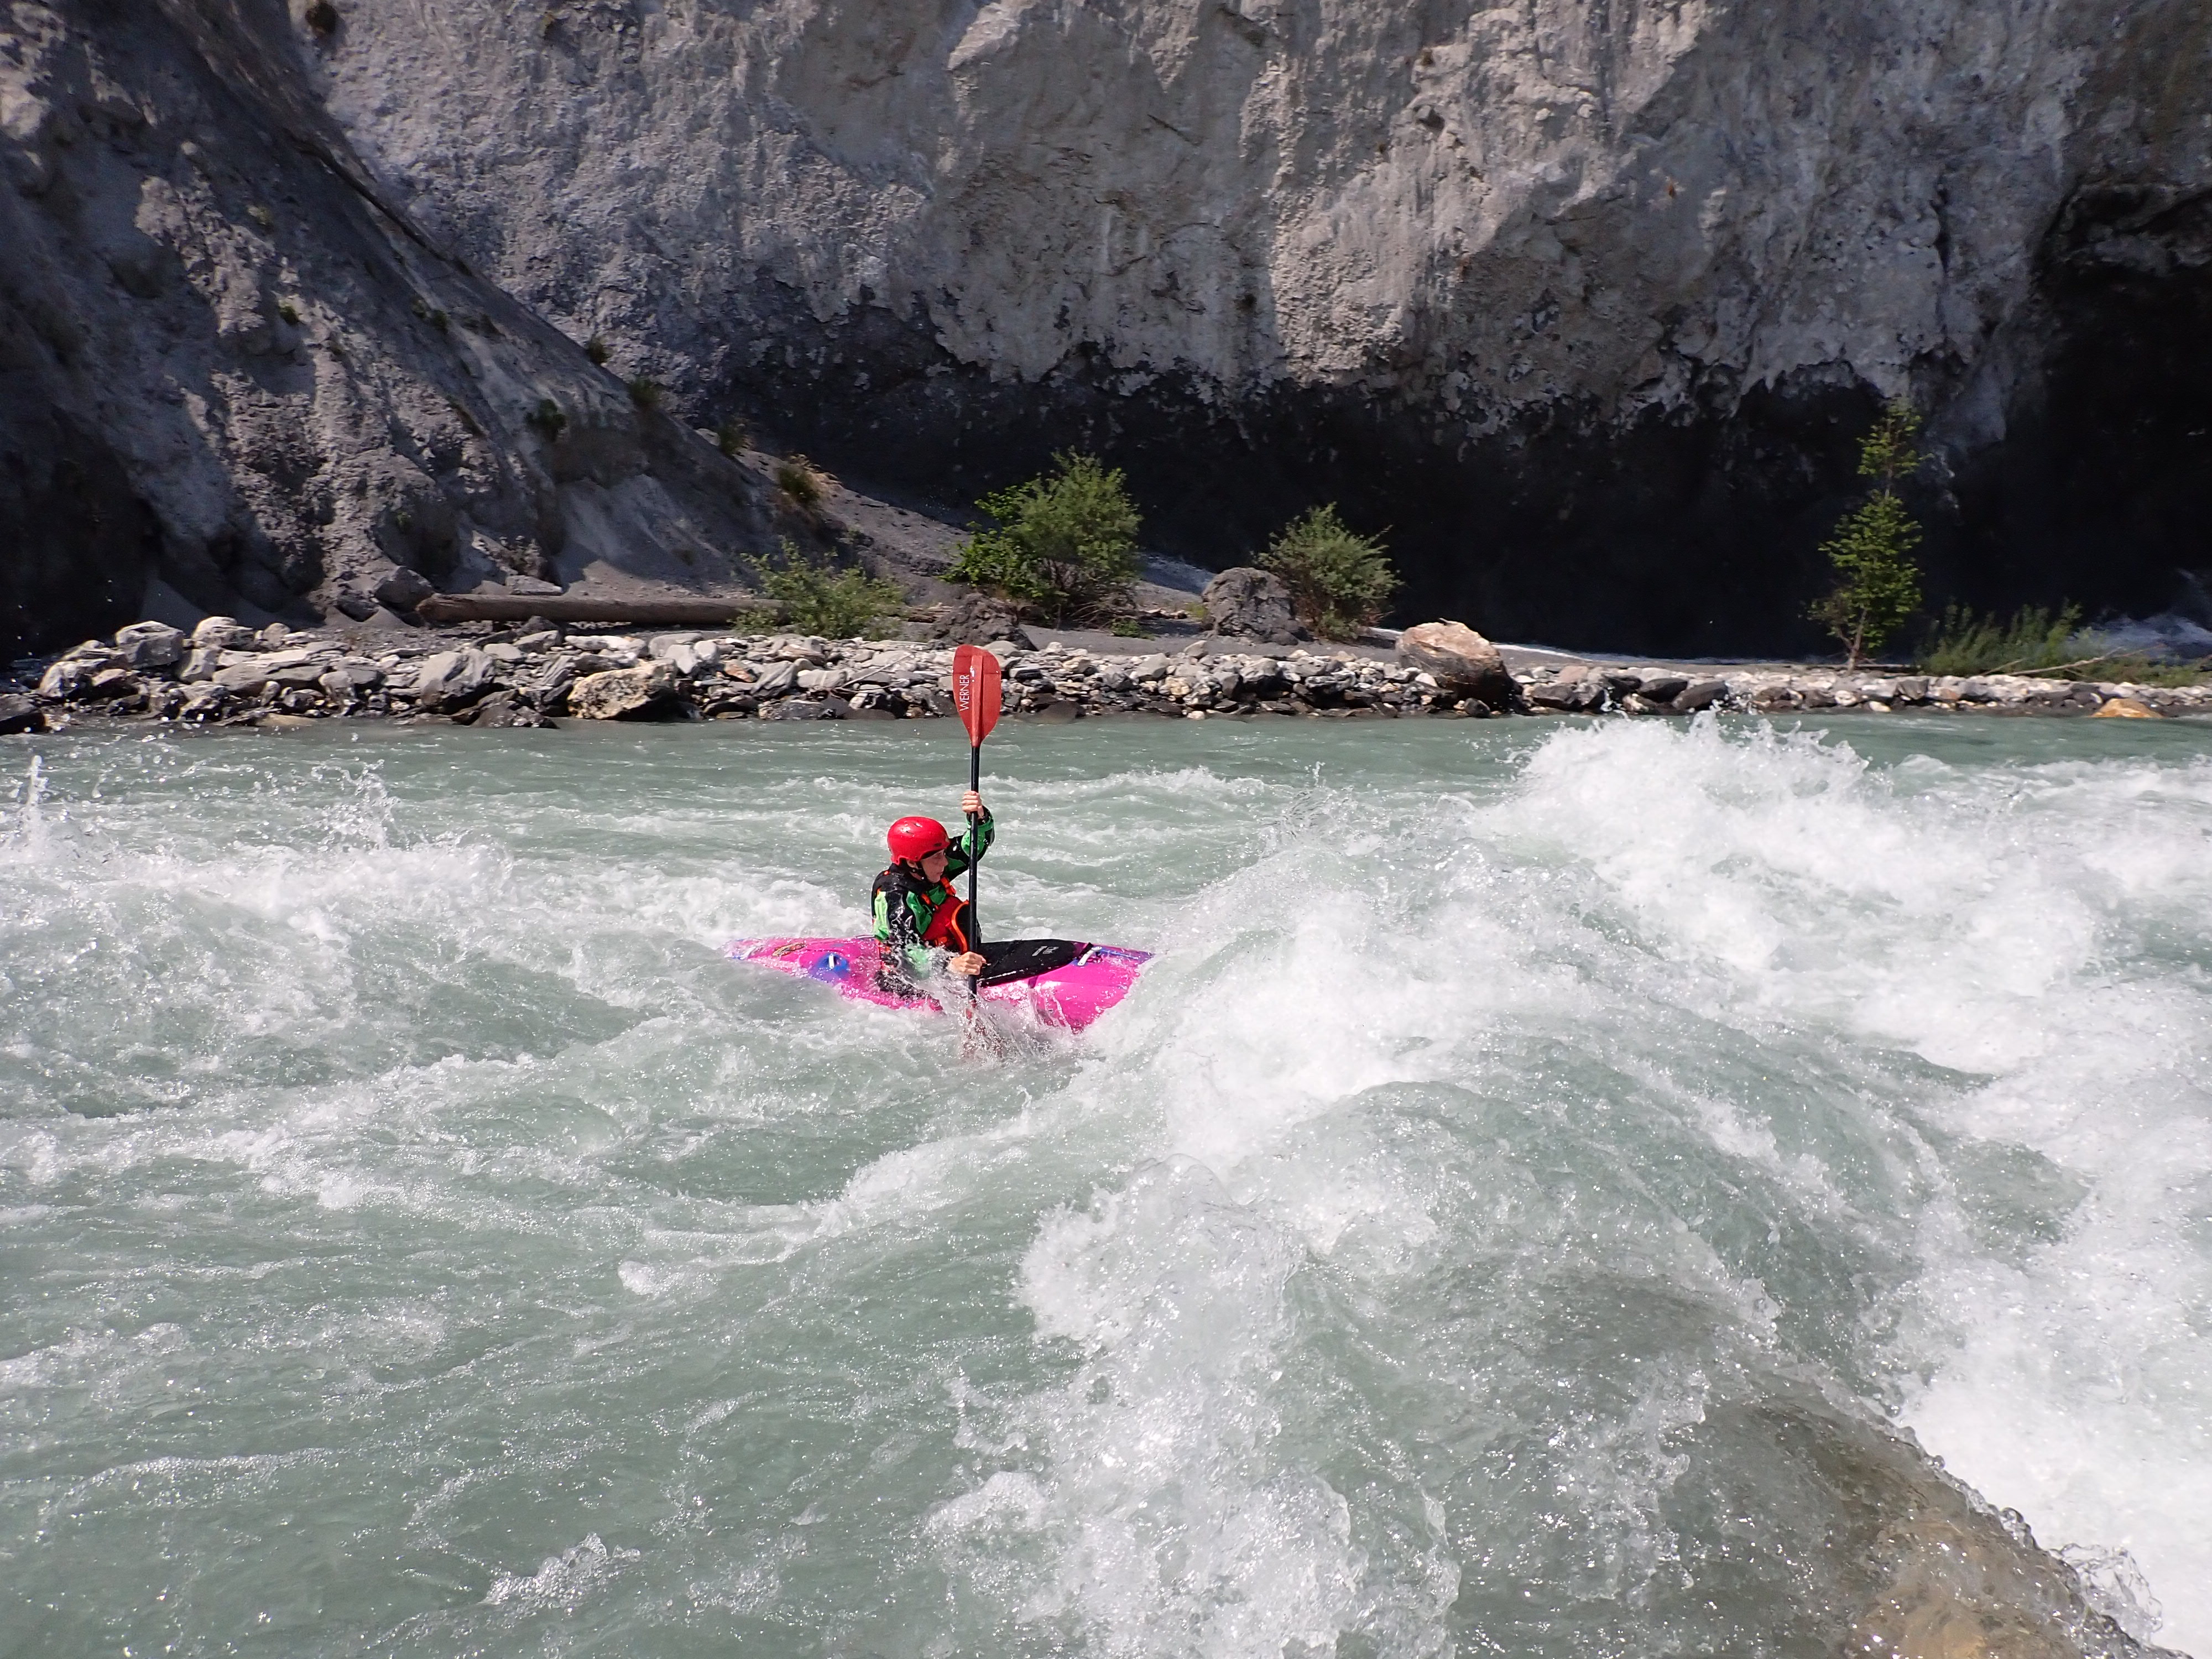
914 839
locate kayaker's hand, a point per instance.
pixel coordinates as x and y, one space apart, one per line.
972 804
970 965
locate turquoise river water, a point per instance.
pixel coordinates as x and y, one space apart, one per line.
418 1240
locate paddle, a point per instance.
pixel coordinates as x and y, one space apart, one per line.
975 695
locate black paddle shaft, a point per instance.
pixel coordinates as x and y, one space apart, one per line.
975 783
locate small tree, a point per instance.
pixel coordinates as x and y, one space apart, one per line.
817 598
1066 545
1340 581
1878 583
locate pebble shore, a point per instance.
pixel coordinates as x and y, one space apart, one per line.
223 673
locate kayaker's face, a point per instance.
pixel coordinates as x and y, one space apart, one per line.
934 866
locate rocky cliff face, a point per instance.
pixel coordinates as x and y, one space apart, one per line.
1589 301
228 362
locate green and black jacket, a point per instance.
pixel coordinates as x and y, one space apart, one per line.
919 921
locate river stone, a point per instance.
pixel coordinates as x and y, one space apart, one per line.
618 693
804 708
149 645
349 678
66 678
2126 708
451 679
1700 693
1254 603
501 708
776 680
404 589
975 618
1462 660
356 605
19 713
247 676
222 634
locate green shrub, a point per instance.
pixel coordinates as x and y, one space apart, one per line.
1127 627
289 312
803 482
2136 669
597 349
1963 643
645 392
1878 583
814 596
548 418
731 437
1341 583
2039 642
1066 545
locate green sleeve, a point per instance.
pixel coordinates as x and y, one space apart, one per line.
968 846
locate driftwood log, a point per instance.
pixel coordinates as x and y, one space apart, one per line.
573 608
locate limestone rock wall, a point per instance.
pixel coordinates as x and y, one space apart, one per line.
1564 291
228 362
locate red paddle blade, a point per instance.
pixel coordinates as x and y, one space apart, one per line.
976 690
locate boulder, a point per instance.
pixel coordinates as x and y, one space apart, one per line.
451 679
19 713
222 634
977 618
353 603
149 645
403 590
802 708
1700 693
67 678
501 708
1574 691
619 693
1251 604
109 683
248 676
1460 660
775 680
349 679
2126 708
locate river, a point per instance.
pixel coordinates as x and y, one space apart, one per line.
419 1239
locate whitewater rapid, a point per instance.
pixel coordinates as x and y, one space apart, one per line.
420 1240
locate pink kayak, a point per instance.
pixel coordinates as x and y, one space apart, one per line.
1071 995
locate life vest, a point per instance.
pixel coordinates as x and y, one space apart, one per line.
945 930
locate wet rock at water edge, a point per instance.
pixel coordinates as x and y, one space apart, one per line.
1574 690
616 694
451 679
1697 695
805 708
501 708
19 715
1253 604
1460 660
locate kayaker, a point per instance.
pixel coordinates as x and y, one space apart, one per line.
924 928
921 922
